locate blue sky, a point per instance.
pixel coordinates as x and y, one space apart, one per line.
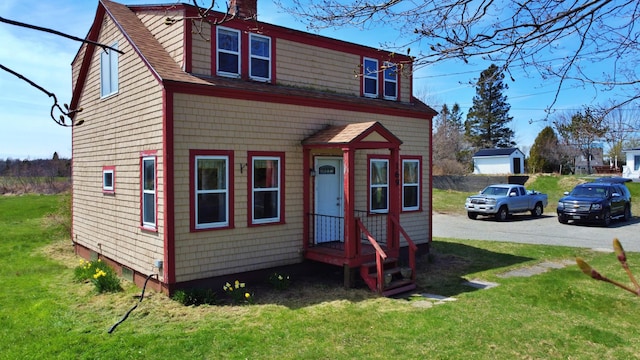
28 132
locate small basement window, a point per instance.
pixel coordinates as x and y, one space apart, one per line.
109 179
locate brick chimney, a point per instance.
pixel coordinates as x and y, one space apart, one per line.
244 9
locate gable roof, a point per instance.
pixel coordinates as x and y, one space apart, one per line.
350 133
170 75
495 152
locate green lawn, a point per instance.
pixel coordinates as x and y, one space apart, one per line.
560 314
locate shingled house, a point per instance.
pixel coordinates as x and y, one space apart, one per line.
215 149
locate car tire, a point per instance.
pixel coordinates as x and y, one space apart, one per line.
627 213
606 218
562 219
472 215
502 213
537 210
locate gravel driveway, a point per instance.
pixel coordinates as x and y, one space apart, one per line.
545 230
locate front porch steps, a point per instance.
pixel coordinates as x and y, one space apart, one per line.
396 284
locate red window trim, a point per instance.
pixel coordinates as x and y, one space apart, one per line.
113 170
192 190
145 154
381 61
250 156
245 57
377 157
420 200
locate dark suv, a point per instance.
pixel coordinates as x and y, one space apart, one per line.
595 202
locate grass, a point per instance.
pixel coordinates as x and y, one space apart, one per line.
452 202
559 314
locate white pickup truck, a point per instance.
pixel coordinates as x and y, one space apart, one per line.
502 200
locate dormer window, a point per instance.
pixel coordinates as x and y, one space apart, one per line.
390 81
228 52
370 77
260 57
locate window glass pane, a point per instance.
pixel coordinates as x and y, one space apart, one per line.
228 63
113 72
370 68
265 174
370 86
228 40
260 68
212 174
390 72
378 172
260 46
149 175
410 175
107 180
212 208
389 89
149 208
410 197
370 72
378 198
105 70
265 205
636 162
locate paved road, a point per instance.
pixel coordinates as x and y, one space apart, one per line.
545 230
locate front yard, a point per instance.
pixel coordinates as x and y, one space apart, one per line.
558 314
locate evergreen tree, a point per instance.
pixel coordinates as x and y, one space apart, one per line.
544 155
488 118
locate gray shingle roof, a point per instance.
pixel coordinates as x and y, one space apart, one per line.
495 152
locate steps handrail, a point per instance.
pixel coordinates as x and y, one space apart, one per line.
371 239
412 246
380 255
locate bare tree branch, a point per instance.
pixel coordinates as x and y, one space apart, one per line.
55 32
66 112
58 113
580 43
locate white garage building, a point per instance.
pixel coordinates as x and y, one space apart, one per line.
498 161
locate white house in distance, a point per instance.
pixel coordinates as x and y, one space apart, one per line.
632 169
498 161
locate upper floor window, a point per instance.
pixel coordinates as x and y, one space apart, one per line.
259 57
410 184
109 71
228 50
379 185
370 77
390 81
266 188
211 190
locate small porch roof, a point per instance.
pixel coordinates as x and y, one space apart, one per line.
368 134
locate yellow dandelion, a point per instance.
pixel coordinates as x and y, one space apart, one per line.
247 295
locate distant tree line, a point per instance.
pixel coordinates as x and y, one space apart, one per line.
570 136
37 175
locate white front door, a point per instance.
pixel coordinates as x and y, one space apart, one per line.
329 190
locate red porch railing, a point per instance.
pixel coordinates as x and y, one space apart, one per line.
412 247
380 255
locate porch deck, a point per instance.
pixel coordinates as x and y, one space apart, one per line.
326 239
